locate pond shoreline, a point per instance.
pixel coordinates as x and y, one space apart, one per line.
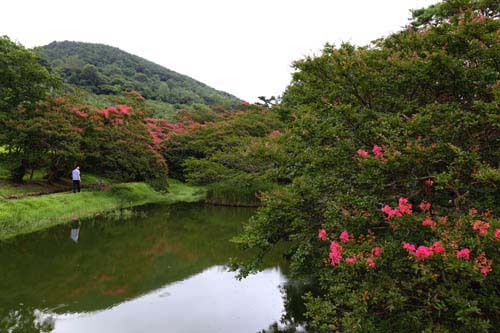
30 214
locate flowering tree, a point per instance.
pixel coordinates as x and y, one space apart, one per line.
393 156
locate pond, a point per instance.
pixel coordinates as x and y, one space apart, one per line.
162 270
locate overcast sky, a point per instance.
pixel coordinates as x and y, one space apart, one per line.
243 47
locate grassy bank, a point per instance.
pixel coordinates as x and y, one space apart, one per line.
29 214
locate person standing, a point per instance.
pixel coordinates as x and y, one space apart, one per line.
76 179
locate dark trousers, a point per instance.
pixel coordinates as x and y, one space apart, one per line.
76 186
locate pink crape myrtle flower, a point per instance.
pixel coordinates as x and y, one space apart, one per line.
485 270
376 251
481 227
335 253
428 222
370 262
423 252
463 254
377 151
409 247
322 234
386 209
344 236
428 183
424 206
405 206
362 153
437 247
497 234
351 260
395 212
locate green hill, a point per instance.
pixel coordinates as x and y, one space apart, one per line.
106 70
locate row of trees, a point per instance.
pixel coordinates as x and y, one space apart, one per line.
393 153
41 130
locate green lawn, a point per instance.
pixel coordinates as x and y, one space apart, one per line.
28 214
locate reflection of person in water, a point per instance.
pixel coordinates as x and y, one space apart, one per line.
75 229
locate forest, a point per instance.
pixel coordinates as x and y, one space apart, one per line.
378 169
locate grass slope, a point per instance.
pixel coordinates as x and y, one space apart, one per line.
30 214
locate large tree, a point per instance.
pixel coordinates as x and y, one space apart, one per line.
24 83
393 151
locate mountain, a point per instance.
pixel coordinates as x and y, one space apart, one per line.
106 70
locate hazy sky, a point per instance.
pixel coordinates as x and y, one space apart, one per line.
243 47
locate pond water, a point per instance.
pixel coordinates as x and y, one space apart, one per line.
160 271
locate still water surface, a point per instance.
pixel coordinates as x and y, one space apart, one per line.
162 272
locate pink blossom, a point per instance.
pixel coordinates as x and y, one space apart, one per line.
437 247
275 133
485 270
497 234
395 212
463 254
351 260
404 206
363 153
409 247
322 234
335 253
425 206
377 151
344 236
386 209
423 252
376 251
428 222
428 183
481 226
370 262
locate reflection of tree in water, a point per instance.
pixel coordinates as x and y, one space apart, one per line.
293 320
25 319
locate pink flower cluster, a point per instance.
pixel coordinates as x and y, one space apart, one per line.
405 207
344 236
428 223
463 254
335 253
423 251
425 206
322 234
481 227
497 234
377 152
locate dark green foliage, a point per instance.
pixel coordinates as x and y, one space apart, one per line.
106 70
234 155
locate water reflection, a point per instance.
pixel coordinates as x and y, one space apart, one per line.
75 230
212 301
158 273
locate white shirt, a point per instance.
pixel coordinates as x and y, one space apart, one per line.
76 174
